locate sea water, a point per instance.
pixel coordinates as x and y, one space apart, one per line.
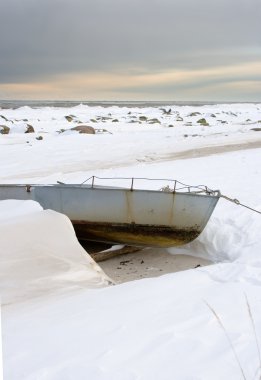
13 104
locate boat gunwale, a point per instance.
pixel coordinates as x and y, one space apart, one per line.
29 187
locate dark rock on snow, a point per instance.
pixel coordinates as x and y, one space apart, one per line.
84 129
69 118
4 130
29 129
203 121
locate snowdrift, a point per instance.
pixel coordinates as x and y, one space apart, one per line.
40 254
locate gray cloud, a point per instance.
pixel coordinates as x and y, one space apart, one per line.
50 37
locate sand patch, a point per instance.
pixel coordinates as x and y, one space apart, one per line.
145 263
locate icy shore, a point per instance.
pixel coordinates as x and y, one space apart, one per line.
168 327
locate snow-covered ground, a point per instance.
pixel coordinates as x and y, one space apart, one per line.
203 323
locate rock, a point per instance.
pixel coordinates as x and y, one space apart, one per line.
3 117
69 118
154 121
179 118
84 129
39 138
93 120
115 120
194 114
203 122
102 130
4 130
143 118
29 129
256 129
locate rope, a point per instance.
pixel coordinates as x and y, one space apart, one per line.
236 201
201 188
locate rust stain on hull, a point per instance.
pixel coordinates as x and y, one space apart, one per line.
134 234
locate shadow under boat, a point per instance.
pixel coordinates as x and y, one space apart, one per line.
168 217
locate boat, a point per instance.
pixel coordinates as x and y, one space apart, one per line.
166 217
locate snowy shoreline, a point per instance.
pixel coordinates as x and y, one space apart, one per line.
152 328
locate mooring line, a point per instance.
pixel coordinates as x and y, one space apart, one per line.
236 201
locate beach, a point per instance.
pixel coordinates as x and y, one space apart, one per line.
149 314
148 263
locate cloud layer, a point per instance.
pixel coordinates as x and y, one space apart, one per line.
112 49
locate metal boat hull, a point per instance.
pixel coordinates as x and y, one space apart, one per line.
134 217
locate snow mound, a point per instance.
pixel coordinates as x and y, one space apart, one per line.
40 255
159 328
233 235
13 208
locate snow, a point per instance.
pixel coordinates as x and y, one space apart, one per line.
58 321
40 254
59 154
11 209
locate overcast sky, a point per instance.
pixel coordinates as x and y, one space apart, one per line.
130 49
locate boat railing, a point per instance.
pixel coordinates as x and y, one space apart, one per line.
142 183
